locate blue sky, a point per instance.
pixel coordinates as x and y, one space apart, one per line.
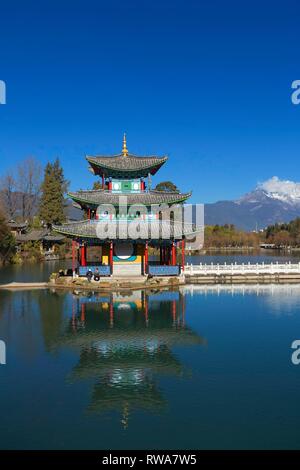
208 83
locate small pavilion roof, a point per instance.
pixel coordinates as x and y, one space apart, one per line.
33 235
125 164
13 225
54 237
38 235
147 198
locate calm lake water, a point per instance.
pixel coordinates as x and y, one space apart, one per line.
202 368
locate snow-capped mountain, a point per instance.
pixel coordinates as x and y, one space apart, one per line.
272 201
274 188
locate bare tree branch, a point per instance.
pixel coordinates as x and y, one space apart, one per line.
29 184
8 195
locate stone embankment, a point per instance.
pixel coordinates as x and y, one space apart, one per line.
273 273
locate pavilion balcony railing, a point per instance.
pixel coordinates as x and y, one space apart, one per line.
161 228
163 270
103 270
244 268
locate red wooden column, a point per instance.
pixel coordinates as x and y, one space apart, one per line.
183 253
82 317
174 310
89 214
83 255
103 183
146 257
173 258
111 256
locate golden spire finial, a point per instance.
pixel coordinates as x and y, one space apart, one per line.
124 149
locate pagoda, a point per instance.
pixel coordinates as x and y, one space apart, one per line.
125 217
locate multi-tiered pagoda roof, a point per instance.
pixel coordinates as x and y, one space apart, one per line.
126 208
144 230
125 165
94 198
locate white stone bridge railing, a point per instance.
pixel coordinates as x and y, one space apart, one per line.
244 268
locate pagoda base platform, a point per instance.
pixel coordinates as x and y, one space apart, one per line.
129 270
116 283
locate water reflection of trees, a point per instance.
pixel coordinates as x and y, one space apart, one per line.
20 320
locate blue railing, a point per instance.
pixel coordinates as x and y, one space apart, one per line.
102 270
159 270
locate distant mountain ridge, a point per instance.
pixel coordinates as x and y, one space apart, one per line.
273 201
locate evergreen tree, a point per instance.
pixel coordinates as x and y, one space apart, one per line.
167 186
53 189
7 241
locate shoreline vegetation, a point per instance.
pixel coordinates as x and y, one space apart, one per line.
29 205
36 200
31 252
218 239
284 238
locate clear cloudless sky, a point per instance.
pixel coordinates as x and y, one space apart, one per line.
208 83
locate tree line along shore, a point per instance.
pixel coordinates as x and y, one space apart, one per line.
33 198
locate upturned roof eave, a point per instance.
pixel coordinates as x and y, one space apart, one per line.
141 166
71 230
128 157
76 197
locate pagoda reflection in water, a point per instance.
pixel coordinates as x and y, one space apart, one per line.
125 344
